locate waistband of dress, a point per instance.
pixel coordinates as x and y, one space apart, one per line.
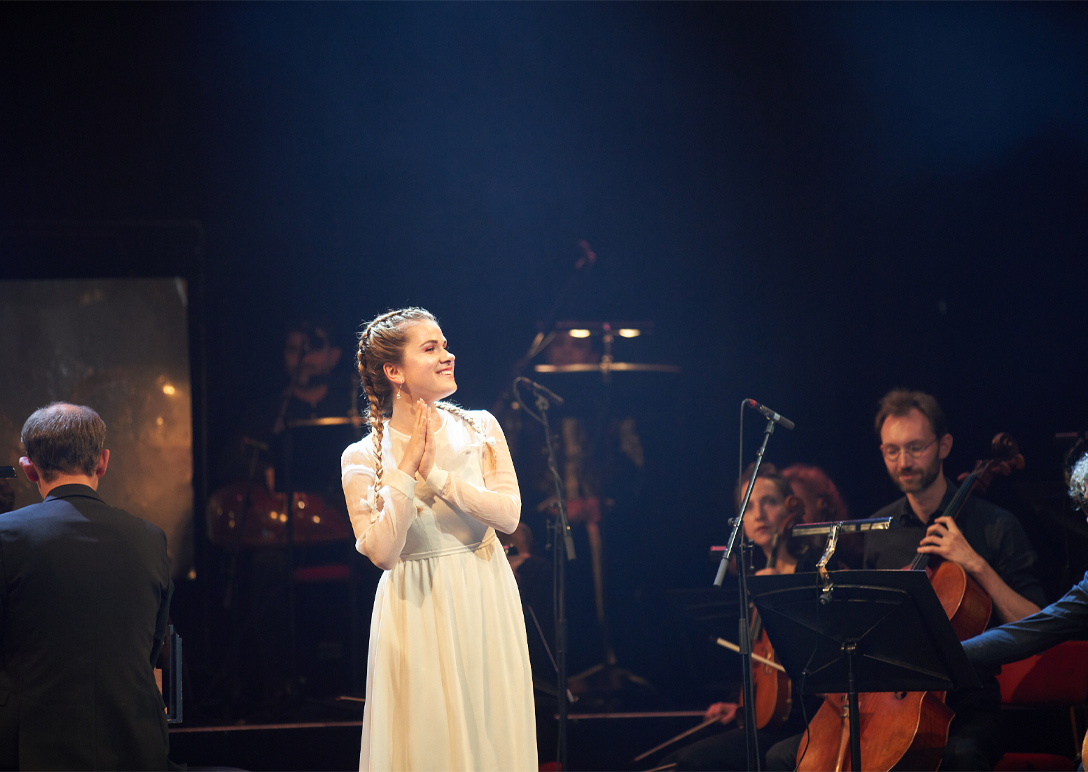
485 542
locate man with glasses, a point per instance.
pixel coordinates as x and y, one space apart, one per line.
987 541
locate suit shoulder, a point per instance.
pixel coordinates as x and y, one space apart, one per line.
17 518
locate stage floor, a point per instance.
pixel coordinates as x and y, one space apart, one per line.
597 742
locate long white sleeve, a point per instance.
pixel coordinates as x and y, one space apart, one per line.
379 534
498 502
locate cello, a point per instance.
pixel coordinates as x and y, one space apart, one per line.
773 694
770 684
909 730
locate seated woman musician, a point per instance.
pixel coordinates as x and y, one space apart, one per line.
823 503
772 510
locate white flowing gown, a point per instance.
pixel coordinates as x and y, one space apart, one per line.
448 684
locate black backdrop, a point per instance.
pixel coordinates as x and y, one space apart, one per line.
813 202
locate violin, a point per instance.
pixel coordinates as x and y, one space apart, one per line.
909 730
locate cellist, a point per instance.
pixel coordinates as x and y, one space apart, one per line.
772 508
986 541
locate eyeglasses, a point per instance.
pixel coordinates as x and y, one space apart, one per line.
915 449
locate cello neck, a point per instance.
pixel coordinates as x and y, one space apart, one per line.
955 506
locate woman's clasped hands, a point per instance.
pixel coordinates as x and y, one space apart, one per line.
419 454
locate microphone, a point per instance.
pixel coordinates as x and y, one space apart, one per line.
540 391
769 414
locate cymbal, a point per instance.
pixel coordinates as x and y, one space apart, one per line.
332 420
608 367
597 328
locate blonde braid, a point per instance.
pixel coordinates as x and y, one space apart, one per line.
374 411
382 340
377 432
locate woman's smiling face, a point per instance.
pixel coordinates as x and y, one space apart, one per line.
427 366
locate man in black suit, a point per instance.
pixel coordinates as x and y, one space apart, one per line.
84 598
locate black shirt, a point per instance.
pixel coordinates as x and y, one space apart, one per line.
994 533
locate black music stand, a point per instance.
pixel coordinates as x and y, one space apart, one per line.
861 631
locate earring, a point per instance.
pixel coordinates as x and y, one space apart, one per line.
398 393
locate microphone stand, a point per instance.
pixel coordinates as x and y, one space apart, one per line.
562 550
545 334
744 639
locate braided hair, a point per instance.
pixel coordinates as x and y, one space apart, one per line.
382 341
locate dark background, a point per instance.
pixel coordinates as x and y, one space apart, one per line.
813 202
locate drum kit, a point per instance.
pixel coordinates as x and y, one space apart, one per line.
246 514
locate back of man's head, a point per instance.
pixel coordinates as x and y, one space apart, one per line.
62 438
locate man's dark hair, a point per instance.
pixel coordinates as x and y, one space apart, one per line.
62 438
899 402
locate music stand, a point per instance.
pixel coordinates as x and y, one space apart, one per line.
863 631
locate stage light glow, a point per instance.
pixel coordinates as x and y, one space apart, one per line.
578 333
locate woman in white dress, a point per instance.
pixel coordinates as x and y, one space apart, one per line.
448 682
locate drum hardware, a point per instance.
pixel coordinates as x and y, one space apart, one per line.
509 406
606 365
332 420
567 347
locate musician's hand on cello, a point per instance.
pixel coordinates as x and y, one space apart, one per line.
724 712
945 539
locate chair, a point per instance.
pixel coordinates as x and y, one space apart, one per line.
1056 678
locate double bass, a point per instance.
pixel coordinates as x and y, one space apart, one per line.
909 730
